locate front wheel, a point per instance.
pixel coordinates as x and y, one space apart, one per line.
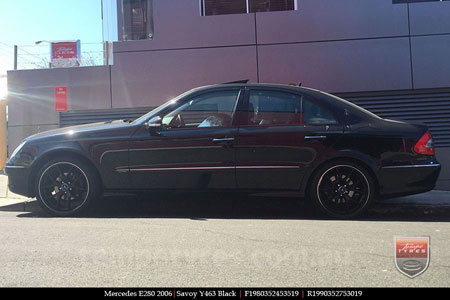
342 189
66 187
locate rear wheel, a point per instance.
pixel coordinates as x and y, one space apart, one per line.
342 189
66 187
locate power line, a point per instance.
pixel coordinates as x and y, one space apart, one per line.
6 44
21 49
5 52
4 47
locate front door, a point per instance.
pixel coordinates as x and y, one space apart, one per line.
284 132
193 150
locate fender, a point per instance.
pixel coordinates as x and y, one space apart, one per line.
349 154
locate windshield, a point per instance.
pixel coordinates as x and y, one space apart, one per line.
155 111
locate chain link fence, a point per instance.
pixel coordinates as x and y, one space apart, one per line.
38 56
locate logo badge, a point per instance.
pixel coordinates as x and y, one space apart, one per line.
412 255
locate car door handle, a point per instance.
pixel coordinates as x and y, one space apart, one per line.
315 137
223 140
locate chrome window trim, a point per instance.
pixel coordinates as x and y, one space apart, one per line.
146 169
412 166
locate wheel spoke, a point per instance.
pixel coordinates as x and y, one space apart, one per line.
61 173
69 172
347 198
69 201
331 196
78 188
338 175
360 179
75 180
58 197
53 179
48 186
349 176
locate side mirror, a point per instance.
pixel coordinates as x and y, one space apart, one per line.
154 125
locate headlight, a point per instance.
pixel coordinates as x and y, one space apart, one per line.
17 149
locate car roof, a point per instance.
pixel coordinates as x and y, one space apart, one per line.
286 87
317 94
256 85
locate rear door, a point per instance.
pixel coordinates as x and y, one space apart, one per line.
283 134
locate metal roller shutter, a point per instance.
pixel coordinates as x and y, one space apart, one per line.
91 116
430 107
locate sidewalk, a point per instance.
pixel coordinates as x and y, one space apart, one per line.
5 193
3 186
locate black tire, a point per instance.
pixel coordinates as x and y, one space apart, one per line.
342 189
67 186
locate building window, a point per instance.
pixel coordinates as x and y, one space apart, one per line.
223 7
270 5
415 1
226 7
137 19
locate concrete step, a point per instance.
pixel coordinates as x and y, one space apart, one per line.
432 198
5 192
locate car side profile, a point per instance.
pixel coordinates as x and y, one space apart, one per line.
246 137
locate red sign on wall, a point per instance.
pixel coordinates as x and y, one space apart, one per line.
61 98
65 54
64 50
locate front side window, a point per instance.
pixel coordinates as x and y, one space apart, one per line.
137 19
272 108
207 110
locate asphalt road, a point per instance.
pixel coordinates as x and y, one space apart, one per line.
197 241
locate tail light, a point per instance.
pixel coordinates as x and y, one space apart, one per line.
425 145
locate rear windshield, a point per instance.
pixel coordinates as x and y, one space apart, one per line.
354 106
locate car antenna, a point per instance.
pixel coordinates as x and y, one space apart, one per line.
237 82
299 84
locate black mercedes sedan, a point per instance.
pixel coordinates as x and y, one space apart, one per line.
245 137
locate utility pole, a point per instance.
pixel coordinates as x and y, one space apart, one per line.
15 57
106 53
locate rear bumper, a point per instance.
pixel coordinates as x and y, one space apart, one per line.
18 180
408 179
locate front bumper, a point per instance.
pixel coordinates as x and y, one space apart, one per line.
408 179
19 180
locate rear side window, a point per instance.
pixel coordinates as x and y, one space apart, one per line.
315 114
271 108
267 108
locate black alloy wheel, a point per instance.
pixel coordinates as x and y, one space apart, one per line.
342 190
66 188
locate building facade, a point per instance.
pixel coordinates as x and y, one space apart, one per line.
389 56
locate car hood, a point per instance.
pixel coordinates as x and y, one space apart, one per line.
80 130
